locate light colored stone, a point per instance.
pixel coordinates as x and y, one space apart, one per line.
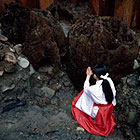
136 64
18 49
12 50
65 28
7 88
1 73
80 129
24 63
32 71
3 38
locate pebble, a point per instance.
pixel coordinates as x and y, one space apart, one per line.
1 73
24 63
32 71
3 38
18 49
80 129
7 88
136 64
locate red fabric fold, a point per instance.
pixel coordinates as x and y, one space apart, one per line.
103 123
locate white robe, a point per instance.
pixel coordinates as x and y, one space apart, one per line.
94 94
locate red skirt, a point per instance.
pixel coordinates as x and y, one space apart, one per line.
103 123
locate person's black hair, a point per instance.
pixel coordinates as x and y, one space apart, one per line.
99 70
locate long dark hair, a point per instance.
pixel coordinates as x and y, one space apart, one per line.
99 70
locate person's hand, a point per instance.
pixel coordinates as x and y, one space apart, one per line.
89 71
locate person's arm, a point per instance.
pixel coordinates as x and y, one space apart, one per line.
88 73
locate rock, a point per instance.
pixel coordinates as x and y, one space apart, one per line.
18 49
49 93
132 81
58 86
2 55
24 3
80 129
138 58
2 3
12 50
7 88
131 117
9 67
3 38
2 66
128 106
1 73
12 20
105 40
136 65
61 74
65 28
47 70
134 102
139 127
43 39
67 83
55 101
41 35
24 63
67 13
32 71
10 57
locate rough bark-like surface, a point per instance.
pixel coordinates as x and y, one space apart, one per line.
12 20
94 40
67 11
43 40
2 3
